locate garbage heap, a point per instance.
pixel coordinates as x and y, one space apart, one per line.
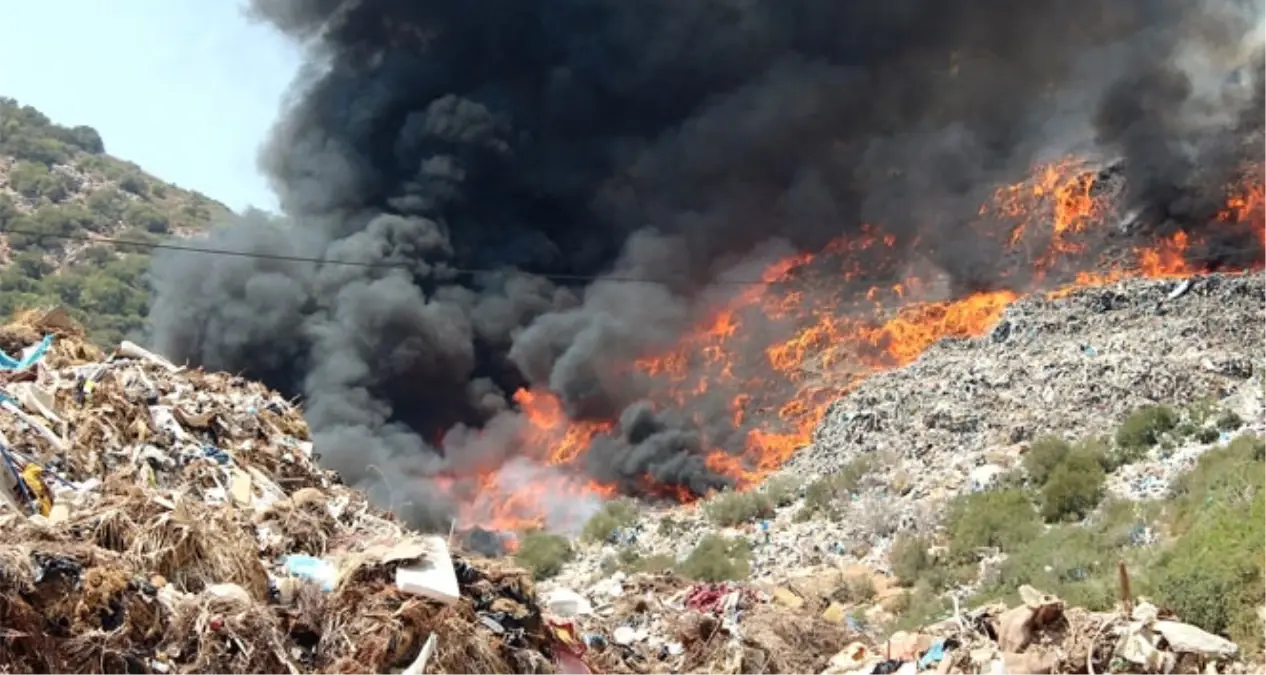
663 623
1042 635
660 623
158 519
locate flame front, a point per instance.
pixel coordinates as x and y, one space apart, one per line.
781 350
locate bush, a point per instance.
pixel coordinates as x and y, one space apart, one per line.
1212 576
855 590
909 558
146 217
543 554
612 516
733 508
1074 487
35 181
1207 435
919 607
782 490
85 138
1229 421
1143 427
1079 562
133 182
1003 519
717 558
822 493
1231 475
1043 455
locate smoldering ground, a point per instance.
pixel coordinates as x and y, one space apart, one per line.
478 160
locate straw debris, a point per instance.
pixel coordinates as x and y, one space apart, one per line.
178 498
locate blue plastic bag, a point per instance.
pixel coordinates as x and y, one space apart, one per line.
313 569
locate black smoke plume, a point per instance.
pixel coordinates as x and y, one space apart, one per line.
480 159
1169 118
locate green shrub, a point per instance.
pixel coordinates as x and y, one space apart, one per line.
543 554
1001 518
1229 421
1230 475
856 589
133 182
36 181
1212 576
1067 560
1043 455
822 493
652 564
1207 435
1143 427
733 508
1074 487
146 217
717 558
613 515
909 558
1186 429
1079 562
782 490
1202 410
919 607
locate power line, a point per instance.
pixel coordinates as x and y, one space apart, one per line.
281 257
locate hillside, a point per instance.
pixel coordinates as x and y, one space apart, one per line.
60 191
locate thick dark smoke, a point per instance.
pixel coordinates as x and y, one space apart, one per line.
675 140
1170 119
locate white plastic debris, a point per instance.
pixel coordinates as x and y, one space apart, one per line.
627 635
1179 290
135 351
419 664
432 576
229 592
1183 637
983 477
566 603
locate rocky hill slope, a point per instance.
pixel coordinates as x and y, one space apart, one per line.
62 200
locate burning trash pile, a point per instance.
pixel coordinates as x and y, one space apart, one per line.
162 520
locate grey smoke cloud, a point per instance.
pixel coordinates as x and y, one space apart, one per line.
658 139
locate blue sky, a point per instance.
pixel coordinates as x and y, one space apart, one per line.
185 88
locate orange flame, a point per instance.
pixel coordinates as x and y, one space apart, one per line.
778 357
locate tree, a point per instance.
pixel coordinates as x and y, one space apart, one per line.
85 138
147 217
33 181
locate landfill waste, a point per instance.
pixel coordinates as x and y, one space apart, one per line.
958 419
1042 635
159 519
662 623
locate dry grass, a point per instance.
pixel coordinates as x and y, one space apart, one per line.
218 635
195 546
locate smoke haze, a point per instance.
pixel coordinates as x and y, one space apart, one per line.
683 142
